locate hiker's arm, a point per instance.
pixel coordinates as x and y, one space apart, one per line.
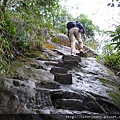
83 29
84 36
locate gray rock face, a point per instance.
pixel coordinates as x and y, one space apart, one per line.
69 85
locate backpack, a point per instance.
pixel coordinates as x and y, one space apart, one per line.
79 25
70 25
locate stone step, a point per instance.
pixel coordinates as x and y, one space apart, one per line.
59 94
63 78
70 63
60 70
48 85
71 58
82 54
69 104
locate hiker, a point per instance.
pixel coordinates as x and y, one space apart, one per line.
75 30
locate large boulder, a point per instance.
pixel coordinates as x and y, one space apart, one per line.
43 33
90 52
61 39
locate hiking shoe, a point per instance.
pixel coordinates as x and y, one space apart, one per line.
73 54
81 51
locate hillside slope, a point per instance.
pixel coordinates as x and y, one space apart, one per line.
54 82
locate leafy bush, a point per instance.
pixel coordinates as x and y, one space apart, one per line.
111 53
110 58
113 61
115 35
7 31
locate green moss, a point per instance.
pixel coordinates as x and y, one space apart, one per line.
113 94
16 64
21 59
49 46
107 82
31 55
111 72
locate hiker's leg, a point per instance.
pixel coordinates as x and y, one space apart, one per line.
80 46
78 36
73 49
72 38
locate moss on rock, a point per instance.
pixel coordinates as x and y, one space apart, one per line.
115 96
113 92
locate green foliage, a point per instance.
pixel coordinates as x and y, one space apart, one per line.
88 24
110 58
62 17
20 26
111 52
3 67
115 35
7 29
92 43
113 61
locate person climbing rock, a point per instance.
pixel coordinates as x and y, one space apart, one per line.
75 31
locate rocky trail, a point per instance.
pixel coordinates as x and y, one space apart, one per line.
58 84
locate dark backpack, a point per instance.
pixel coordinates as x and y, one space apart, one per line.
70 25
80 26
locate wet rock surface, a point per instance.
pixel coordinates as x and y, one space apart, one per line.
64 84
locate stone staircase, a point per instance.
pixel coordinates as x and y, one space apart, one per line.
60 73
73 101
